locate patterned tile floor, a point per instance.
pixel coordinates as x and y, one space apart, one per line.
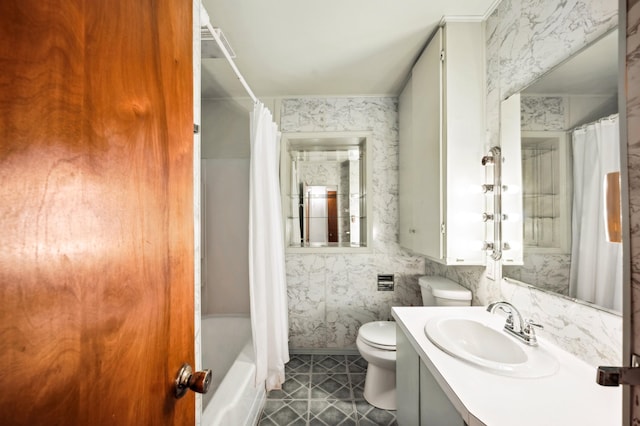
323 390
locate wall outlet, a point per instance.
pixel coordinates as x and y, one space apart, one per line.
385 282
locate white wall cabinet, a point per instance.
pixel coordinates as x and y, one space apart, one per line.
442 140
512 201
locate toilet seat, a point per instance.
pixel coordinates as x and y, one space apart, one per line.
379 334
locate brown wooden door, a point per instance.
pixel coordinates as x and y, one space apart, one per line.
96 211
332 216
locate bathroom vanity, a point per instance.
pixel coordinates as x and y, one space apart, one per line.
435 388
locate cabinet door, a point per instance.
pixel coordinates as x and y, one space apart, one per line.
427 136
435 407
407 189
407 381
464 139
512 226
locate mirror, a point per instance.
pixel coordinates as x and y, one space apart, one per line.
324 179
570 159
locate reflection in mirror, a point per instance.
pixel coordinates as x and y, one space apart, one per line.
324 190
570 144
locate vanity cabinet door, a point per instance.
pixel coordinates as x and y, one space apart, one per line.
435 407
441 145
407 381
420 399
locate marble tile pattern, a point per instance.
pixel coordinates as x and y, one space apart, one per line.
524 39
633 158
546 271
331 295
593 335
542 113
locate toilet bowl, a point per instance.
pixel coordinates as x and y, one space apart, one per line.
377 341
377 345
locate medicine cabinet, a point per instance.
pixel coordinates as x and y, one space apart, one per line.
325 178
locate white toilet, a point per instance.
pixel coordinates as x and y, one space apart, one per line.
377 341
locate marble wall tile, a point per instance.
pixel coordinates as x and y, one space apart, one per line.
530 37
570 325
307 300
547 271
542 113
535 35
330 296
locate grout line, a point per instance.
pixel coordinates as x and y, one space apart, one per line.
307 417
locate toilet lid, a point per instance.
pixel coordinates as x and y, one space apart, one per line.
444 288
380 334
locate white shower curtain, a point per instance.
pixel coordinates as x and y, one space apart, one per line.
267 277
596 263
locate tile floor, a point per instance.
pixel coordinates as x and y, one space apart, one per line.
323 390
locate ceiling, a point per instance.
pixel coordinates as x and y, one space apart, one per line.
332 47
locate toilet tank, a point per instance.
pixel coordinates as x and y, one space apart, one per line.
440 291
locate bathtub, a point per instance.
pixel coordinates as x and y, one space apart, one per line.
228 351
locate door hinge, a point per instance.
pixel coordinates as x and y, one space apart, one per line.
442 55
443 228
196 129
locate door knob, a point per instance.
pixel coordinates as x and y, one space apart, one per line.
187 379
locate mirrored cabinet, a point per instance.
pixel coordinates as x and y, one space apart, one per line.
545 192
324 178
442 133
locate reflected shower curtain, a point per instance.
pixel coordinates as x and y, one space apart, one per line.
267 277
596 263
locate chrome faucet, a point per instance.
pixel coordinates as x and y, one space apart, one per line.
521 329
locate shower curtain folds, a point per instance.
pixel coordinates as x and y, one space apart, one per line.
267 276
596 263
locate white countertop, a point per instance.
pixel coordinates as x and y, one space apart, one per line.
569 397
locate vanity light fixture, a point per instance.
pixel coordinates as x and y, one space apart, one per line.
487 188
487 245
487 160
494 159
486 217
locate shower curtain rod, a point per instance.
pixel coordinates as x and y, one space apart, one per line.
206 22
611 117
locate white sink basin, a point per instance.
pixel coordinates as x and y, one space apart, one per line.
485 346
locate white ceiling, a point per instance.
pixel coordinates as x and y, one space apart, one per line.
330 47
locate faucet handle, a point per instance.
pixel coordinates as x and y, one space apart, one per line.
528 324
529 331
